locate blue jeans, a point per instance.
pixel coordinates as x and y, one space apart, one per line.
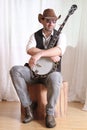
21 77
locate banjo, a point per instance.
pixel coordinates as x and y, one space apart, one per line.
44 65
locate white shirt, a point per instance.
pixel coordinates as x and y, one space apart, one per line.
61 42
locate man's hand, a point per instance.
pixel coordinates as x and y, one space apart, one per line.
33 60
55 58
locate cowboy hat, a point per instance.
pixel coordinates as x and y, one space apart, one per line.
48 14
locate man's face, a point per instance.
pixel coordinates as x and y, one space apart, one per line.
49 24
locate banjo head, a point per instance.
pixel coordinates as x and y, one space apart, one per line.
43 66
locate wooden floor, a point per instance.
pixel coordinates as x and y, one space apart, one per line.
10 118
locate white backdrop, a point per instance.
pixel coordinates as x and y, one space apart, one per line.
19 19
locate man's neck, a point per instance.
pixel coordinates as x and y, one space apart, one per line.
47 32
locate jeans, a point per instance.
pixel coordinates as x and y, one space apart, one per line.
21 77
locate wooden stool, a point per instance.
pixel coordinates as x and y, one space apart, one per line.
38 93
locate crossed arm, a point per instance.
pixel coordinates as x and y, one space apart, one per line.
36 54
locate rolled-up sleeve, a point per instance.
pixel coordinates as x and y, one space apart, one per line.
62 43
31 43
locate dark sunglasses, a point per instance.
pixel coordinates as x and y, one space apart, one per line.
50 20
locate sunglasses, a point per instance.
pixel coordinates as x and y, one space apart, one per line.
50 21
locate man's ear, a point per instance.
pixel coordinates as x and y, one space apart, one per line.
42 21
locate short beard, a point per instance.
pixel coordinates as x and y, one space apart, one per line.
47 30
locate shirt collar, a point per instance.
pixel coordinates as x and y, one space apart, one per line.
50 34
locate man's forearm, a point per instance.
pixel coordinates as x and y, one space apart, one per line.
56 51
33 51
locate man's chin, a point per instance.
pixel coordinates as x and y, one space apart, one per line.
50 30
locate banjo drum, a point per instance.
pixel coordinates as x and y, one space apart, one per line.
43 66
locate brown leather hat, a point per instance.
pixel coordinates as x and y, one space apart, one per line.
49 14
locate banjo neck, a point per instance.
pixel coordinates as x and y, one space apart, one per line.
56 36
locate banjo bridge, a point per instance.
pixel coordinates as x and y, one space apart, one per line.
38 65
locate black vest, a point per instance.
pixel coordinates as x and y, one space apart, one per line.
39 40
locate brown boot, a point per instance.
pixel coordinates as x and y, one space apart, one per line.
29 112
28 115
50 121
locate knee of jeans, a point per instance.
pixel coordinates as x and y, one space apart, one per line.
55 80
55 77
13 70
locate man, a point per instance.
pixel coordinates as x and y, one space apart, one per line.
37 48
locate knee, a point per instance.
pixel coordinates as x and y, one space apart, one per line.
55 79
13 70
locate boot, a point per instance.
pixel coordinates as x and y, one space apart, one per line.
29 112
28 115
50 121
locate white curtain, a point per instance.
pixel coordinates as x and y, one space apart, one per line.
19 19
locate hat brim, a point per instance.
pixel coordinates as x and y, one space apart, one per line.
41 17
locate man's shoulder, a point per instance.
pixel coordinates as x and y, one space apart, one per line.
40 30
